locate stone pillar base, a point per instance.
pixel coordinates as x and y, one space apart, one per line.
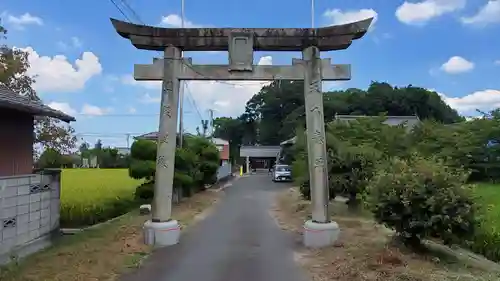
162 234
317 235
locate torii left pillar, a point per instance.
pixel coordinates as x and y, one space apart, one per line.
161 230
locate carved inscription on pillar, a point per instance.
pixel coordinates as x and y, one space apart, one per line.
314 87
317 137
163 139
162 162
166 110
319 162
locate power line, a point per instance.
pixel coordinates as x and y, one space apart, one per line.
118 115
133 11
193 102
107 134
120 10
136 15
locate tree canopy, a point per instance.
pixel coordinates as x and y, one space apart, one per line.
273 115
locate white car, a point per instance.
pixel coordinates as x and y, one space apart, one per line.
282 173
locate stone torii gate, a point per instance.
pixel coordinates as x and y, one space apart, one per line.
241 43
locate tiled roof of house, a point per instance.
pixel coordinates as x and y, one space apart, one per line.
409 121
148 136
219 141
12 100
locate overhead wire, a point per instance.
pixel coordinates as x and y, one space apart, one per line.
132 11
120 10
193 102
138 18
136 15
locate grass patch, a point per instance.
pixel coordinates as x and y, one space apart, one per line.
489 194
102 253
90 196
365 251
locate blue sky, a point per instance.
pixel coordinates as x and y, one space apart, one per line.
84 68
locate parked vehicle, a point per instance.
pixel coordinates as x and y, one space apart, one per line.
282 173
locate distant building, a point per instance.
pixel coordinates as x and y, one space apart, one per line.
223 146
123 150
409 121
148 136
17 114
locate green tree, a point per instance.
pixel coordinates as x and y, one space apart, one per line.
273 115
51 158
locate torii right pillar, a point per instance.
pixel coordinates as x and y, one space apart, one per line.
320 231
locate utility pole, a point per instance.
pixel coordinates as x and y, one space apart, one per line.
181 113
312 13
128 140
181 91
211 114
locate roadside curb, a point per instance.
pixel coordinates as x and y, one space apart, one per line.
72 231
229 183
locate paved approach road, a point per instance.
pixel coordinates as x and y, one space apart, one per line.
239 241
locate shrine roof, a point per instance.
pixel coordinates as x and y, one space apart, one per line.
336 37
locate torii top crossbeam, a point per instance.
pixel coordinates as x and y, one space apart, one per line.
329 38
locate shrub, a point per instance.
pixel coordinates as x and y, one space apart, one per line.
143 150
142 169
50 158
144 191
196 164
422 198
349 167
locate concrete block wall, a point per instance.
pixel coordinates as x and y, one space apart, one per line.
224 170
29 209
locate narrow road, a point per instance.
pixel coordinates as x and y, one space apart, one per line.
239 241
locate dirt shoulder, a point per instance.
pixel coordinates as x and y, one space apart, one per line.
365 250
105 252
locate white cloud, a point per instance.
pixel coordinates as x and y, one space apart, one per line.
64 107
174 20
483 100
421 12
23 20
488 14
148 98
337 16
132 110
457 65
497 62
87 109
129 80
228 99
57 74
62 46
77 43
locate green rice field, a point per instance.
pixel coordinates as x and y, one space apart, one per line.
90 196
